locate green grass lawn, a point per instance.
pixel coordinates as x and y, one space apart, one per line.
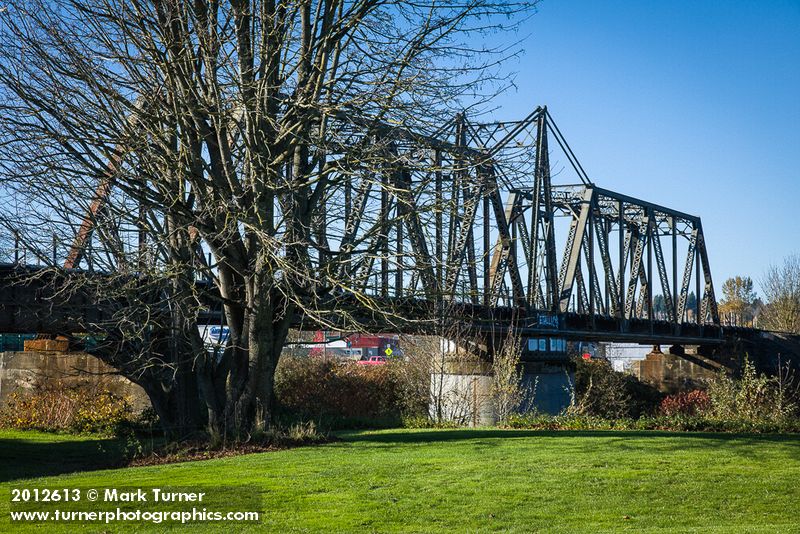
461 480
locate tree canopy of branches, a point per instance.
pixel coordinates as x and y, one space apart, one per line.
781 286
212 140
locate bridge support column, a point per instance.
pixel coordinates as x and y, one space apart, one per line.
465 399
469 399
463 389
547 386
681 368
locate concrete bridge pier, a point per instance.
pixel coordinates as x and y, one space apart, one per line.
464 390
679 368
547 386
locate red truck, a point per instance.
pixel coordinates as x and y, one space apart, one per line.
373 360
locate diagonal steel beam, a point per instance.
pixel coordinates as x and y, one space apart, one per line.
463 231
595 298
662 269
637 271
409 213
573 260
354 217
573 229
709 299
687 276
503 258
583 299
608 267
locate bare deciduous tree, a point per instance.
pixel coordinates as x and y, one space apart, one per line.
217 140
507 378
781 287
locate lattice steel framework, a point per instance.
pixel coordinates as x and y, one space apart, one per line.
470 214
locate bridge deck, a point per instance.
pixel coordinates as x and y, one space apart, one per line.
31 307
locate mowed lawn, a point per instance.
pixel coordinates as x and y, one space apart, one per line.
460 480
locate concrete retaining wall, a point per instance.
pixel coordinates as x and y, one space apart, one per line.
23 370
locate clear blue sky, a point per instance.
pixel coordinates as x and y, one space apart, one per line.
693 105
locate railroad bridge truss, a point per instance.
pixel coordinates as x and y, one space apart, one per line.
500 220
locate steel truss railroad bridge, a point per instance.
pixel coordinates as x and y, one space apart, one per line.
500 222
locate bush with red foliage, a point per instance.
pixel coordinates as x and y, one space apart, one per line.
695 402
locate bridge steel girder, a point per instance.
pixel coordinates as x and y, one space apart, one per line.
576 244
444 219
504 258
646 232
409 214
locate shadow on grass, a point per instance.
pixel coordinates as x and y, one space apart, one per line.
684 439
29 458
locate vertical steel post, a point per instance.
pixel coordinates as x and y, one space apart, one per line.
590 260
348 208
472 261
543 199
512 221
487 245
621 271
549 216
536 214
321 225
439 219
142 236
384 282
456 175
650 286
697 296
675 296
90 255
606 229
398 274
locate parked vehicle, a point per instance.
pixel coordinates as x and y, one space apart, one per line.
373 360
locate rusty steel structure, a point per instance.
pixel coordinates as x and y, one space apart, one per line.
502 216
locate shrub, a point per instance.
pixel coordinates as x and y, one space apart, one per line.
507 391
315 388
56 406
565 422
674 423
753 396
693 402
602 392
425 421
412 375
307 432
